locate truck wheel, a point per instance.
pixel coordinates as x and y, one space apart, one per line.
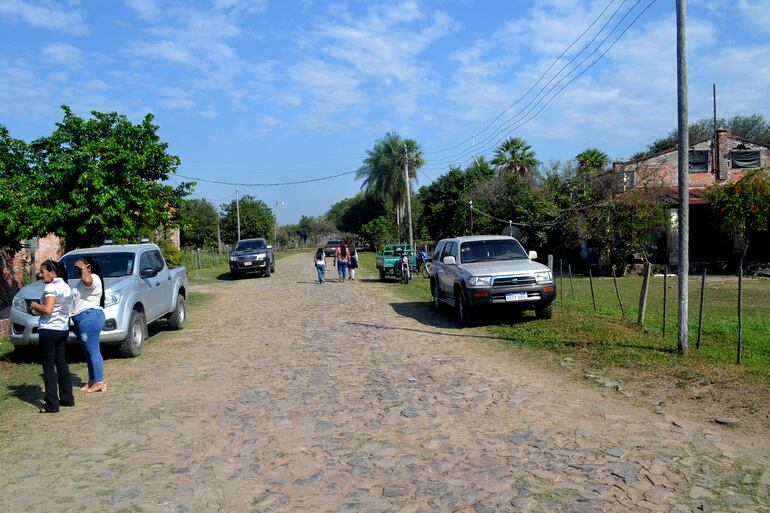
267 272
272 267
436 297
405 276
545 312
177 318
133 344
382 274
463 309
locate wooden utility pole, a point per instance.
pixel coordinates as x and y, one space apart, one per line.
408 194
684 176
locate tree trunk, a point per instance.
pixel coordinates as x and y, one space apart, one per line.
740 295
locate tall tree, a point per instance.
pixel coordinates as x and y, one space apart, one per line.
515 155
592 161
103 178
198 219
383 170
351 214
257 219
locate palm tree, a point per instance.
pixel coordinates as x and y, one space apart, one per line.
383 171
592 161
515 155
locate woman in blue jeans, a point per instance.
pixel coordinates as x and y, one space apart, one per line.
88 318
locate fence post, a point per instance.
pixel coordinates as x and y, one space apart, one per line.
740 311
700 313
643 294
561 280
591 283
665 297
617 292
571 288
198 256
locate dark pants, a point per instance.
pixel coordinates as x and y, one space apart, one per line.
55 369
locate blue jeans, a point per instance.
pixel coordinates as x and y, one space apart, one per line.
321 268
342 268
88 326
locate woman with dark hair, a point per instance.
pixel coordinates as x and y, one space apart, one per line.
88 318
53 330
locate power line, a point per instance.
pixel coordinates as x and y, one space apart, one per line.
243 184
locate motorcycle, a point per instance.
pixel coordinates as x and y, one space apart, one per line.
405 274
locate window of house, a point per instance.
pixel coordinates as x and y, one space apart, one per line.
742 159
699 161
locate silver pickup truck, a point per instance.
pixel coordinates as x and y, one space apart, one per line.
139 288
472 272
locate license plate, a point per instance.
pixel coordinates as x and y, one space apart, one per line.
516 296
247 263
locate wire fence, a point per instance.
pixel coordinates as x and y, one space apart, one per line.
203 258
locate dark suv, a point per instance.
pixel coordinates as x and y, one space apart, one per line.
252 256
331 246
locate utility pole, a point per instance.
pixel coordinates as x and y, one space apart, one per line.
684 176
470 209
238 212
219 237
408 193
275 229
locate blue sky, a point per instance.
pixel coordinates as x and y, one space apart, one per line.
265 91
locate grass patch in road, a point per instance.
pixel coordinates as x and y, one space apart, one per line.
603 342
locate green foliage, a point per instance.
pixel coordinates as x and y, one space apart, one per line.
743 206
515 155
378 231
592 161
754 127
170 252
350 214
198 220
22 209
101 178
445 202
305 228
257 220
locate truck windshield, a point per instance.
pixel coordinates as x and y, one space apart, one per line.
496 249
114 265
250 244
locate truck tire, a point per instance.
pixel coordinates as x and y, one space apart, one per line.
267 272
545 312
463 309
133 345
436 297
272 266
179 315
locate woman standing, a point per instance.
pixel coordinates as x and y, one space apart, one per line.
319 259
88 318
342 257
53 329
353 264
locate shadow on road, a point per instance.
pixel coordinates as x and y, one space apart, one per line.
32 394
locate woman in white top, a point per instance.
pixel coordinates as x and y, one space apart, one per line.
88 318
53 329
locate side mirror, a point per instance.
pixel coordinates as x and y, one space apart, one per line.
449 260
533 255
149 272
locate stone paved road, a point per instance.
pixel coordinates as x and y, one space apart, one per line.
286 395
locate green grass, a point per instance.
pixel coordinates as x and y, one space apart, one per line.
606 342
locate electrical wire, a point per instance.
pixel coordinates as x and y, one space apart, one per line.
244 184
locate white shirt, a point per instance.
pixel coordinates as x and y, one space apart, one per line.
87 297
59 317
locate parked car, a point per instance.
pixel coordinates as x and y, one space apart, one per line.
330 248
470 273
252 256
139 288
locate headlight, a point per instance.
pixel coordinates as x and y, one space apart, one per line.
480 281
233 259
544 276
111 298
261 256
19 304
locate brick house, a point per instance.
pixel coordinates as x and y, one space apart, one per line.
712 161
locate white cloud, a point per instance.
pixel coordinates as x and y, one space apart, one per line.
62 54
43 14
146 9
755 14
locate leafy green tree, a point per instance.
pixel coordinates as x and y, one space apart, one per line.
305 228
22 208
515 155
198 219
743 207
103 178
592 161
257 219
350 214
445 202
378 231
383 171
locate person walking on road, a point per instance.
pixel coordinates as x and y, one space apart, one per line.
342 258
88 318
53 329
353 264
319 259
